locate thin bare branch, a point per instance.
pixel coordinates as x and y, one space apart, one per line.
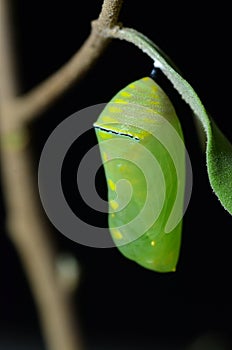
8 85
26 107
30 235
25 221
42 96
110 12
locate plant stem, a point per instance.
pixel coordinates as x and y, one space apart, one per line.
26 224
36 101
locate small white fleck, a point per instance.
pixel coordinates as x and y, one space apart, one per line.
157 64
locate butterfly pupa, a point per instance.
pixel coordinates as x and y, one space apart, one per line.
141 145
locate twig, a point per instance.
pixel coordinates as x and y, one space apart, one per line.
26 227
29 233
25 222
26 107
8 85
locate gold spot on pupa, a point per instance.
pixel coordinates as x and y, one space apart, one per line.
153 243
122 168
104 135
154 88
104 156
117 234
114 109
106 119
112 185
120 100
114 205
154 102
125 94
131 86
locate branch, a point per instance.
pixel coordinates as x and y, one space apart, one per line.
26 107
26 226
8 84
109 15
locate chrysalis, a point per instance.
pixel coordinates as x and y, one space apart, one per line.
143 154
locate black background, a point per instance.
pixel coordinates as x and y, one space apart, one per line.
117 300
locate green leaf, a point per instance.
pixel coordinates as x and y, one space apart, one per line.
218 148
219 163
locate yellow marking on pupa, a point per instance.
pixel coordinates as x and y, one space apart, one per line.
107 119
132 86
153 243
117 234
154 88
120 100
125 94
140 135
104 134
112 185
112 215
114 204
154 102
145 79
104 156
113 109
122 167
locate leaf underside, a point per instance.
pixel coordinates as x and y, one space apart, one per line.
218 149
